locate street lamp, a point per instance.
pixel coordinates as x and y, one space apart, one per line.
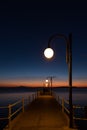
51 83
49 54
47 83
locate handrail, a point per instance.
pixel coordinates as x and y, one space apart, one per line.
9 107
14 104
66 110
63 101
16 111
67 102
76 118
77 106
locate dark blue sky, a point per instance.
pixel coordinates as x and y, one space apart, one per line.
25 28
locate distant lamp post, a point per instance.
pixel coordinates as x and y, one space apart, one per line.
47 83
51 83
49 54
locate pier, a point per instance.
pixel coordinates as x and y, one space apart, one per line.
43 113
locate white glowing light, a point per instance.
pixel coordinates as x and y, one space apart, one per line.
46 80
48 52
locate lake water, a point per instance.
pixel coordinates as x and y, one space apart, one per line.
10 98
79 98
79 95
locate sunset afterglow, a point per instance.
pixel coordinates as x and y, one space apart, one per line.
41 83
24 35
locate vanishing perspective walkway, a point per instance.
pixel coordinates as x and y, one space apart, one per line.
43 113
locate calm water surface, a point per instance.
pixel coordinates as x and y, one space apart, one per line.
79 95
9 98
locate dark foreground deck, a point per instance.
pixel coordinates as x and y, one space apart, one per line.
42 114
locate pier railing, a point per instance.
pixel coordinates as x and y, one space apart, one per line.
79 112
15 108
20 106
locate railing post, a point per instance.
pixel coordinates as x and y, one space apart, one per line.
58 102
22 104
32 97
62 104
9 107
29 99
73 124
35 95
58 99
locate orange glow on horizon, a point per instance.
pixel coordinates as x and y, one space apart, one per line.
39 83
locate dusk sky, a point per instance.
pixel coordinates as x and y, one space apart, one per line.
25 28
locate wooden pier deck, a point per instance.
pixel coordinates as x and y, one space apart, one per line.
42 114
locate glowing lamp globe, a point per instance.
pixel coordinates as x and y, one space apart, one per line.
48 53
46 80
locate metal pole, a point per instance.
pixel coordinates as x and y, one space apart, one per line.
69 61
70 82
51 84
9 116
62 104
22 104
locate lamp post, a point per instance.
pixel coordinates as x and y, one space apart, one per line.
47 83
51 83
49 54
